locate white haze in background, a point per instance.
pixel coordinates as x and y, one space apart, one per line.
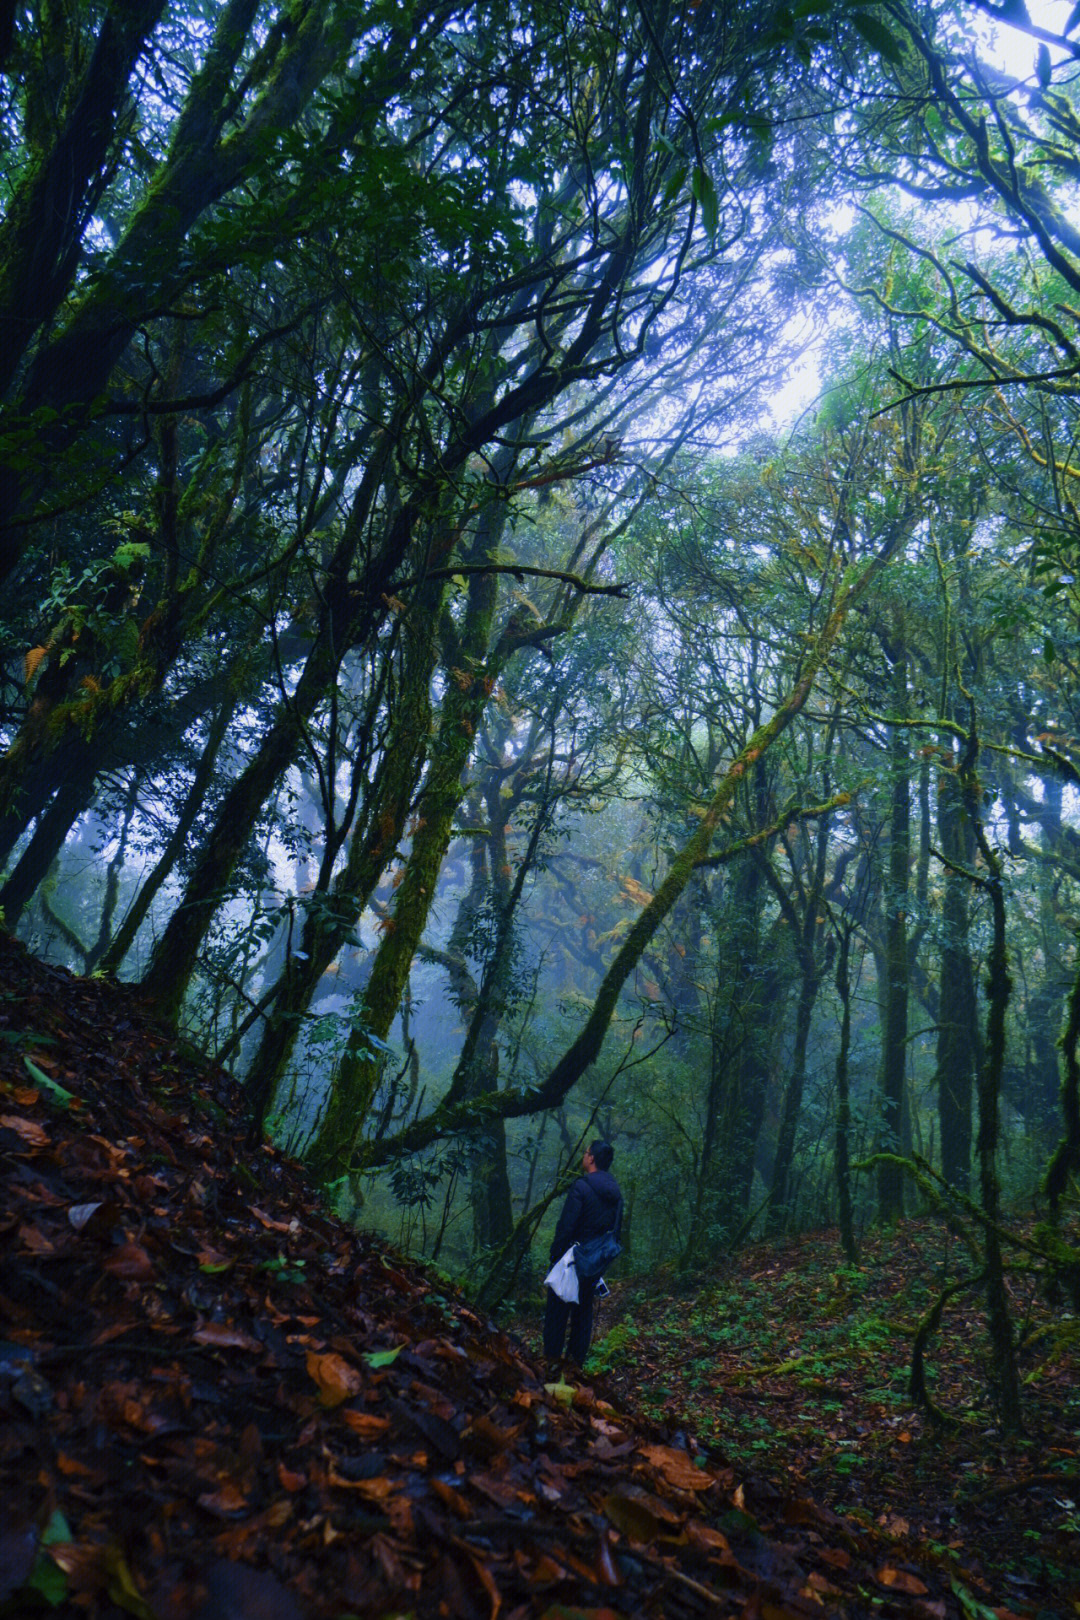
1011 51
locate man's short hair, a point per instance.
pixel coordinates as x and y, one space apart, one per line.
602 1154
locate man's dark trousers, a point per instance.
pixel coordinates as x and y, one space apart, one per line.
580 1316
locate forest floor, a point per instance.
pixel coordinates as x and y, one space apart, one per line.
793 1362
218 1401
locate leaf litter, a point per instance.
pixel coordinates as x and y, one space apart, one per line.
218 1400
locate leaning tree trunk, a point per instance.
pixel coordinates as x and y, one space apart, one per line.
585 1048
375 837
194 800
72 797
353 1085
348 614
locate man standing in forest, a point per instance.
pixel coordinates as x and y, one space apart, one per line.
593 1205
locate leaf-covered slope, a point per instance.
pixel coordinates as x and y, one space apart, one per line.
217 1400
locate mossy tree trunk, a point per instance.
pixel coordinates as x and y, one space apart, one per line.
754 1018
1065 1161
740 1025
778 1211
585 1048
124 938
998 988
842 1133
347 617
895 989
803 908
746 1014
1043 1079
472 668
333 911
958 1034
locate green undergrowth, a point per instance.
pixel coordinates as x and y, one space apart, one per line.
789 1361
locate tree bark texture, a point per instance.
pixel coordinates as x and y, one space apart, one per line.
958 1034
894 996
842 1133
999 986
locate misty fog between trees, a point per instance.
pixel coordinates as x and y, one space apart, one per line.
434 677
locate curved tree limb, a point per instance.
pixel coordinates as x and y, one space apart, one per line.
585 1049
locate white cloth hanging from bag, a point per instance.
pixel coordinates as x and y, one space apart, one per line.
562 1278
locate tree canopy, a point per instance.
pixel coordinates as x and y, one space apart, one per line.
445 674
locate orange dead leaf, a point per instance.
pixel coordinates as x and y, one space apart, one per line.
708 1540
367 1424
487 1582
34 1241
836 1557
130 1263
226 1503
272 1225
290 1481
638 1515
336 1379
376 1490
678 1468
71 1467
33 1134
84 1565
120 1407
899 1580
545 1570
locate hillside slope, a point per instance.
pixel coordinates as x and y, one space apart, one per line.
218 1400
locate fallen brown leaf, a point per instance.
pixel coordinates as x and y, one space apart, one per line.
337 1380
899 1580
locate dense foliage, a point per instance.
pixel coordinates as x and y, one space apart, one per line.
439 669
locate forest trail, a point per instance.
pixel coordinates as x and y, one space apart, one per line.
218 1400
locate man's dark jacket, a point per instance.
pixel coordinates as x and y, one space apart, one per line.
593 1205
